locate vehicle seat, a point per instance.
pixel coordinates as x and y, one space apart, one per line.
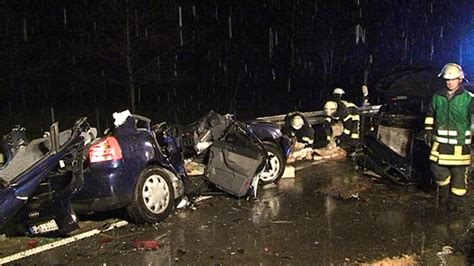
63 137
24 158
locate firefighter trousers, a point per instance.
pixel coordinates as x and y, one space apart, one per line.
454 175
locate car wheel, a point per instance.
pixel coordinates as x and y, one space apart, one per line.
275 164
153 199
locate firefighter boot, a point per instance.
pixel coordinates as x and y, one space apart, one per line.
442 195
455 203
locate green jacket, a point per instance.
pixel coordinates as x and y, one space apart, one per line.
450 120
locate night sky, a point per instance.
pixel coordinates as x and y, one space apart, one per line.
175 60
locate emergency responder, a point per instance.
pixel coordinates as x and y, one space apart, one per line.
345 116
449 122
297 127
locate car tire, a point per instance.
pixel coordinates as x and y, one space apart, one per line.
153 199
277 163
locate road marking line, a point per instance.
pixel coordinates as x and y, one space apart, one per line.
62 242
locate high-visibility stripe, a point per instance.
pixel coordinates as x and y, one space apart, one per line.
354 136
458 191
429 120
451 141
434 151
444 132
428 128
444 182
349 104
453 162
455 157
347 131
468 132
328 137
446 140
310 141
353 117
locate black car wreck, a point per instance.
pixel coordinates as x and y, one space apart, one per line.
394 144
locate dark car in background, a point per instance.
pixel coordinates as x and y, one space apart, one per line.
393 144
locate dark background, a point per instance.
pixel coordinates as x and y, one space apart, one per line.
175 60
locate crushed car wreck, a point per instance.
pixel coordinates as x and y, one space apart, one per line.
393 145
220 141
38 178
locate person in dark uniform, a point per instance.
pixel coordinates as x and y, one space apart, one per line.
301 132
298 128
342 124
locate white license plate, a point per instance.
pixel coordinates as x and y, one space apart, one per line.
45 227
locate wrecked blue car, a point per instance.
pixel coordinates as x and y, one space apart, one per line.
134 166
38 177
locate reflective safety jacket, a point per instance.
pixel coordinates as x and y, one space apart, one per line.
449 119
348 113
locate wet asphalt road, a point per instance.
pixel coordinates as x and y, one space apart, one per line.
328 214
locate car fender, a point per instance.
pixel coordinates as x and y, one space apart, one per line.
178 184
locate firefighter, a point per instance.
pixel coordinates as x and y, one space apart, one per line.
298 128
448 127
342 124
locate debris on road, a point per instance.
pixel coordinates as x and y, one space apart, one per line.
32 243
202 198
146 244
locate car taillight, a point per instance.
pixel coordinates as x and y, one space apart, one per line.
106 150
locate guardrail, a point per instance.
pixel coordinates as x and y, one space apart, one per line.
315 117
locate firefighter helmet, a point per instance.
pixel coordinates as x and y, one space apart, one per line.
330 108
297 122
452 71
338 91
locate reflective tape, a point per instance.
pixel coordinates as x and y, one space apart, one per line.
444 182
444 132
455 157
458 191
429 120
347 131
354 136
446 140
353 117
453 162
451 141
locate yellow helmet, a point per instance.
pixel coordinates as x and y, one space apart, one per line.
451 71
